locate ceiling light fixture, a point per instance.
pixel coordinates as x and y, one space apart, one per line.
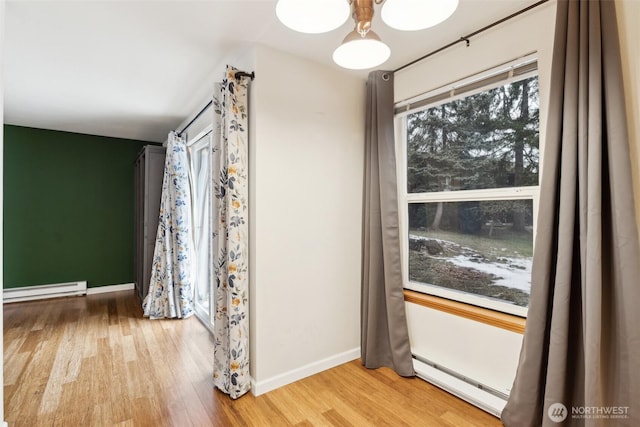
362 48
313 16
413 15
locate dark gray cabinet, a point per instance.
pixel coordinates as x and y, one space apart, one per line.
149 170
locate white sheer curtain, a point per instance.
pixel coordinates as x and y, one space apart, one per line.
231 235
170 290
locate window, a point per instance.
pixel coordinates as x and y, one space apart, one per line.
469 171
201 192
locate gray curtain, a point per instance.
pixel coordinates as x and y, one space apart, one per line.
580 360
385 338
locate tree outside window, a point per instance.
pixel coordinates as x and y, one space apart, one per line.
472 171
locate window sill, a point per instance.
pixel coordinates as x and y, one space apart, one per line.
490 317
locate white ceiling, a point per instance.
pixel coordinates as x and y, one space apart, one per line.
137 69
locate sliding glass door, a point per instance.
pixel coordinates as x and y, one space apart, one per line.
201 190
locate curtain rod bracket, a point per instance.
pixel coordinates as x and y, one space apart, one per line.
245 74
237 75
468 36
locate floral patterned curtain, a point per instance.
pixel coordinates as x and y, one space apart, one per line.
231 236
170 291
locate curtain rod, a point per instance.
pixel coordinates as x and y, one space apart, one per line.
237 75
468 36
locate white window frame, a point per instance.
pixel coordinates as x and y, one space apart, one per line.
202 141
405 198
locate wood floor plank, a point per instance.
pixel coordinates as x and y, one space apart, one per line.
145 411
280 398
95 361
47 315
15 337
336 419
18 362
65 369
129 349
33 381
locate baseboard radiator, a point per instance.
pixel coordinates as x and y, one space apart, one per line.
482 396
29 293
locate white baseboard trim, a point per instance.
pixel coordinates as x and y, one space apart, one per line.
264 386
56 290
111 288
32 293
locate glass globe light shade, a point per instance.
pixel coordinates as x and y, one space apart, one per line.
412 15
359 53
313 16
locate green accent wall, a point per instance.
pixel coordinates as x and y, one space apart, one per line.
68 208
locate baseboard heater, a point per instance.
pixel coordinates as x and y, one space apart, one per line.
480 395
29 293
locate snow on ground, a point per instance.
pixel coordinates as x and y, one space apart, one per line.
510 275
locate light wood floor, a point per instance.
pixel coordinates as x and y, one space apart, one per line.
92 361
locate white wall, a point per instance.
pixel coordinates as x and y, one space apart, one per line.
306 150
480 352
1 200
484 353
306 156
628 13
242 60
